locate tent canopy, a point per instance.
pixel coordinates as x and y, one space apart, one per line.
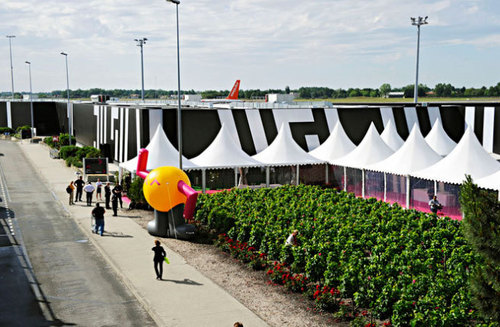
468 158
438 140
391 137
336 145
414 155
372 149
491 182
285 152
223 152
161 153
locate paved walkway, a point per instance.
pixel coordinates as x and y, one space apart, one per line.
184 298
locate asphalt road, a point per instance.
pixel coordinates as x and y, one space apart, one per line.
50 275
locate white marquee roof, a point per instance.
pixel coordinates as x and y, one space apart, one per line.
490 182
414 155
223 152
468 157
371 150
284 151
336 145
161 153
391 137
439 140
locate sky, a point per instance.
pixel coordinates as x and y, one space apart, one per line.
264 43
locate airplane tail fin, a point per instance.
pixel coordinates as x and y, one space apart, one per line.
233 95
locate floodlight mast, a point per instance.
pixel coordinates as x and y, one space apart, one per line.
70 128
417 22
31 99
140 43
10 37
179 120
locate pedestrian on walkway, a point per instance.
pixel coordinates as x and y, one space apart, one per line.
238 324
98 185
117 190
98 214
158 259
70 189
89 190
79 189
107 195
114 202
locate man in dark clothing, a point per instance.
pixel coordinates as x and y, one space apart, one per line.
117 190
107 195
98 214
114 201
79 189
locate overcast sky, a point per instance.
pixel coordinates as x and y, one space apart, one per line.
265 43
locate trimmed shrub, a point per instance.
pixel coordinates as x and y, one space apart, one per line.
64 139
4 130
68 151
135 192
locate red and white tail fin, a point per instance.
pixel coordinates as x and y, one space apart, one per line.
233 95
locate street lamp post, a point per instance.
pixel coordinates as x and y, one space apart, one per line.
179 120
417 22
140 43
31 99
10 37
68 106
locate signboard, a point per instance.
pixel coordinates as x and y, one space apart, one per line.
55 139
95 166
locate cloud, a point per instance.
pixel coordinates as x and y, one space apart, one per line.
221 37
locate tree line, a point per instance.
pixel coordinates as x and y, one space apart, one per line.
439 90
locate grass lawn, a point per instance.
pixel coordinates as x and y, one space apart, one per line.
403 100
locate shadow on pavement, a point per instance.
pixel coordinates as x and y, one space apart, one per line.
186 281
116 234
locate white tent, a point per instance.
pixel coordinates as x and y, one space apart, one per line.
414 155
336 145
391 137
491 182
223 152
372 149
285 152
438 140
468 157
161 153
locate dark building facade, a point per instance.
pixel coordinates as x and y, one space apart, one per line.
119 130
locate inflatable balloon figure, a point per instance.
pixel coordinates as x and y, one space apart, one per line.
168 191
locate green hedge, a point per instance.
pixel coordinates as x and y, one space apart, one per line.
401 265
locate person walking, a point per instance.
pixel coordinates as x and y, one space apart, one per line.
158 259
79 189
89 190
98 214
70 189
98 186
107 195
117 190
114 202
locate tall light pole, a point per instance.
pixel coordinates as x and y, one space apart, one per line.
68 106
31 100
179 121
10 37
417 22
140 43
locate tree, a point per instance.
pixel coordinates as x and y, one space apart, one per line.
287 89
385 89
481 226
